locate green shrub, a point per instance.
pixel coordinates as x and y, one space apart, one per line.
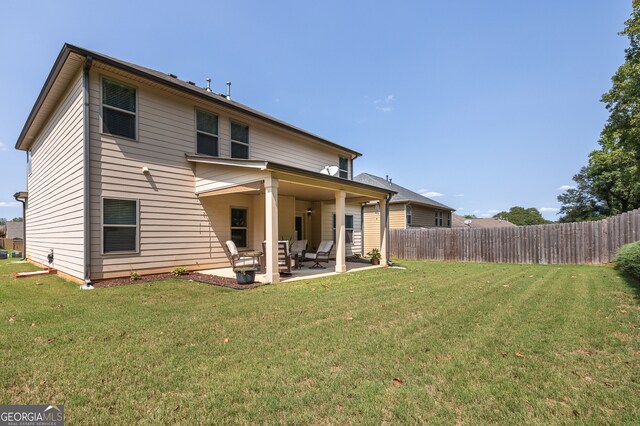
179 270
628 259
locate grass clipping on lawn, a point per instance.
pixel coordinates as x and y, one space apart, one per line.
437 342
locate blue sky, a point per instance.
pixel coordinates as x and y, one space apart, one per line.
480 105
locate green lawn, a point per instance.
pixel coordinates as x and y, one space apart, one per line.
435 343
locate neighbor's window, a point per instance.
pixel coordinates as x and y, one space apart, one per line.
344 167
206 133
408 208
449 220
118 109
239 140
348 228
239 227
119 225
438 218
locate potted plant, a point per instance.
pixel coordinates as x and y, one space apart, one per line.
375 256
245 275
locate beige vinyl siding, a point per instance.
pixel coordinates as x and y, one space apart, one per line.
424 216
55 209
176 226
371 228
397 216
328 210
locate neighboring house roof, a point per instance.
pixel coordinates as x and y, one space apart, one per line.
403 195
15 230
457 221
165 79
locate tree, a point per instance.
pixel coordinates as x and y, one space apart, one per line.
470 216
521 216
17 219
610 183
3 220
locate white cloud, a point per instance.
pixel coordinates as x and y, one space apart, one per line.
460 208
493 211
548 209
385 104
566 187
9 204
484 215
430 194
459 195
476 211
2 147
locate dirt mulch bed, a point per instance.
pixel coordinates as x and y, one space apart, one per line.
192 276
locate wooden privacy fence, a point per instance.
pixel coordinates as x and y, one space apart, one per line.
558 243
9 244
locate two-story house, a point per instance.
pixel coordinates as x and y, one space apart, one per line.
132 169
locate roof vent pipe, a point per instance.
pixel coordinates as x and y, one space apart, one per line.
387 178
229 90
208 88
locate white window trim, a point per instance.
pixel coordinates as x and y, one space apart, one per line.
102 225
206 133
343 170
246 228
102 105
352 229
247 144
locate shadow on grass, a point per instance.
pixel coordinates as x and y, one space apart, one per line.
632 282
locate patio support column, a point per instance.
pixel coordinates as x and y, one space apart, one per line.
384 235
341 265
271 230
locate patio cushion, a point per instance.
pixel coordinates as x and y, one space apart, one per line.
232 248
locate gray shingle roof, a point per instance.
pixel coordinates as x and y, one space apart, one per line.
488 222
174 82
15 230
403 195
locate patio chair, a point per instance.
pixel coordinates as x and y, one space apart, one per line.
321 255
285 260
299 249
240 258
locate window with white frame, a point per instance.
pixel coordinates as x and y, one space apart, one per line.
343 165
348 228
438 218
206 133
118 109
119 225
239 227
239 140
408 211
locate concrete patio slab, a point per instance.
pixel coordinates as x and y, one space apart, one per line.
303 273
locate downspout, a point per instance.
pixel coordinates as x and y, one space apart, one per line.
87 161
24 225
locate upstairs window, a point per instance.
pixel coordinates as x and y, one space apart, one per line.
438 218
344 168
408 209
239 140
118 109
449 220
206 133
119 225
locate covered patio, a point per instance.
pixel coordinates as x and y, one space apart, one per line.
281 202
304 273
